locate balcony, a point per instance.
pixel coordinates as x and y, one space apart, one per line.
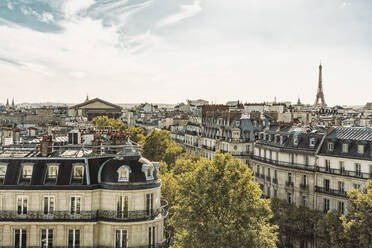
284 164
357 174
304 187
289 184
85 216
329 191
213 148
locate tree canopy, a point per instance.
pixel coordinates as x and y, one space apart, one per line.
106 122
136 134
159 146
218 205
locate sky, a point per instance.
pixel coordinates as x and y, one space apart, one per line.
167 51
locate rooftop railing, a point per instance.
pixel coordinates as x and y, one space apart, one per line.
284 164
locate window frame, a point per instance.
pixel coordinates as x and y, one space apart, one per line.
48 172
74 211
24 166
345 147
121 232
21 232
74 231
47 232
120 176
3 165
51 198
75 167
22 207
331 146
360 149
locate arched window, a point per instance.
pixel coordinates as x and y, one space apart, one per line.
123 172
148 169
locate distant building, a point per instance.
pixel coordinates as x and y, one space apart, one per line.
95 107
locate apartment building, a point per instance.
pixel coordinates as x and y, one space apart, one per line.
313 167
81 201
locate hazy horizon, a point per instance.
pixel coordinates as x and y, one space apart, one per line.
167 51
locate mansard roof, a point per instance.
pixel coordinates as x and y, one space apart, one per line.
352 133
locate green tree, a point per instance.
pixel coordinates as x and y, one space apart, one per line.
218 205
357 223
295 223
136 134
159 146
330 231
105 122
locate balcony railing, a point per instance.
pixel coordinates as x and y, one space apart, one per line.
313 168
213 148
284 164
86 216
335 192
262 176
304 186
289 184
358 174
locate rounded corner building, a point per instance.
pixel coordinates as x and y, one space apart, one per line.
110 200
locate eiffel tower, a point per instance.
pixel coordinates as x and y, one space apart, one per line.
320 95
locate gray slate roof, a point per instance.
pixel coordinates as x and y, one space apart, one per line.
352 133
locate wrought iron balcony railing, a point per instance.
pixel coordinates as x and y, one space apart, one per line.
284 164
335 192
289 184
304 187
85 216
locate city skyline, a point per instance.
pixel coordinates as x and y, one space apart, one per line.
168 51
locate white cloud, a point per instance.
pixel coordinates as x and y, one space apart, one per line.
10 6
187 11
72 7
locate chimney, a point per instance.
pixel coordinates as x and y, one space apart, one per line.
96 143
46 145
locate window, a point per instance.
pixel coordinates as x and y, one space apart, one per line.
122 207
327 165
149 203
356 186
345 148
304 180
27 171
289 177
75 204
360 149
326 184
289 197
52 171
295 141
20 238
342 167
3 171
331 146
304 201
306 160
121 239
268 172
78 171
275 174
48 204
325 205
73 238
46 238
268 191
312 142
358 169
22 204
152 236
341 207
123 172
341 186
275 193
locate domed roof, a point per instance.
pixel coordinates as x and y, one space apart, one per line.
128 167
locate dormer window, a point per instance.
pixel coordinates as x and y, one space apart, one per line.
281 140
312 142
27 171
3 170
123 172
52 171
331 146
360 149
148 169
78 171
345 148
295 141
